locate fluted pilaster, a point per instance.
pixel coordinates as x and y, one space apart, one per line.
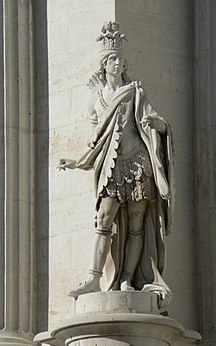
205 157
17 256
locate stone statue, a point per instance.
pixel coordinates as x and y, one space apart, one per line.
131 154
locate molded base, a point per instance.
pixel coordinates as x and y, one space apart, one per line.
119 319
12 339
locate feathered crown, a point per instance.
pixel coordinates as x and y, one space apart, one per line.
110 38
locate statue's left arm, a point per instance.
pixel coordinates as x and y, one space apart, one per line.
156 133
151 118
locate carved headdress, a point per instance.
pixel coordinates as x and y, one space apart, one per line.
110 39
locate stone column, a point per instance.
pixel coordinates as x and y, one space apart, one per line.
17 181
205 135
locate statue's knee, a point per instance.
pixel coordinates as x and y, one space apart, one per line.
136 221
104 221
103 225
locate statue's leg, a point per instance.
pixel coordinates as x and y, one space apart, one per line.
134 244
105 217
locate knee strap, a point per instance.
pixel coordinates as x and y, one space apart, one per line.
103 231
125 276
135 233
95 272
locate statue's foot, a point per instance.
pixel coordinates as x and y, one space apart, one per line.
126 286
88 286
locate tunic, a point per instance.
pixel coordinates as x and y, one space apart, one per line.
132 176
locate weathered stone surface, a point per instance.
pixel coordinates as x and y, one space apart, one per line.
165 66
18 313
117 319
164 61
205 159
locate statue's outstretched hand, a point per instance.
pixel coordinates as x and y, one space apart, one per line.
66 163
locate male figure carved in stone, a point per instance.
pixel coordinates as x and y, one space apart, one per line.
130 152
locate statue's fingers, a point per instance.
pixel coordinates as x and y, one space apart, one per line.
61 167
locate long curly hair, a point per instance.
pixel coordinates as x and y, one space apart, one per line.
99 77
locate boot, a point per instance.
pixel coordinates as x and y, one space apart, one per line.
101 248
90 285
133 251
125 282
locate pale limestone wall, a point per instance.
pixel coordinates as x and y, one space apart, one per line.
160 51
72 30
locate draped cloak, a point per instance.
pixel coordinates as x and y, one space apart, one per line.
101 156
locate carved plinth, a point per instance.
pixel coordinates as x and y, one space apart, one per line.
118 319
12 339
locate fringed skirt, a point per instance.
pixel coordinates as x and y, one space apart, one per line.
132 177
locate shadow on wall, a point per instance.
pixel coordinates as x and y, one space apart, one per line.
42 123
2 171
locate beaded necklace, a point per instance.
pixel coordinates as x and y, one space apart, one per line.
103 103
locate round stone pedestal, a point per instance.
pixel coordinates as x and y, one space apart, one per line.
118 319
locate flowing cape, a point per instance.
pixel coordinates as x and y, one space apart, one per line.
101 155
